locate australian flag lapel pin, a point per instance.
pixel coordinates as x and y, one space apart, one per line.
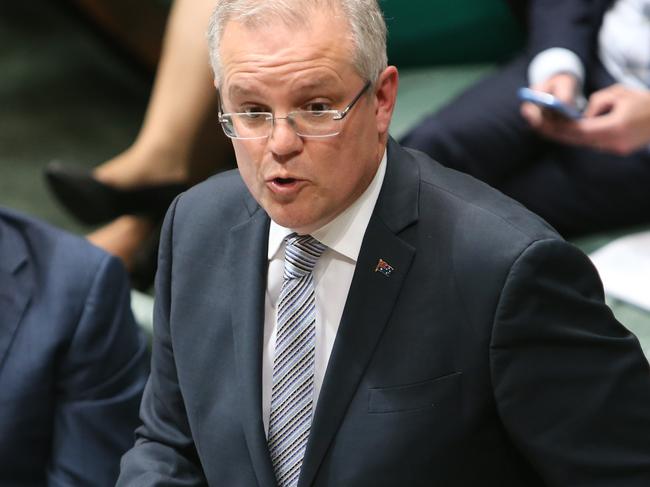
384 268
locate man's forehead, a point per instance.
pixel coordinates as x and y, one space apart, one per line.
304 58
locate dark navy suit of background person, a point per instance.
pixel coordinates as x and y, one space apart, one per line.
72 361
482 133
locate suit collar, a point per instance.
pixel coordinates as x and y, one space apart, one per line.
13 253
397 205
15 289
370 302
247 257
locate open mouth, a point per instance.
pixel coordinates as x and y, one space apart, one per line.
284 181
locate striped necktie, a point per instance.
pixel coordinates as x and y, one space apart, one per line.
292 393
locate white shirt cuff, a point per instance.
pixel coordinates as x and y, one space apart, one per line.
555 61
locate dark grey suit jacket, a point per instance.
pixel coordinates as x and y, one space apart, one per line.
72 362
487 358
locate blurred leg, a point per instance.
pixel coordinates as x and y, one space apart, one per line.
576 190
481 132
122 237
180 140
580 191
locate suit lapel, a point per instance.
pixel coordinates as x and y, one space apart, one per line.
248 259
369 305
15 294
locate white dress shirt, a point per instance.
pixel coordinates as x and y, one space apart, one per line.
554 61
624 43
332 277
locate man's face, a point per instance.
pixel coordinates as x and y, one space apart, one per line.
302 183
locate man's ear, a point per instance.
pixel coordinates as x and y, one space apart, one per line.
385 96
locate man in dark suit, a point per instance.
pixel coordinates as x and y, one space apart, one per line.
578 184
344 312
72 363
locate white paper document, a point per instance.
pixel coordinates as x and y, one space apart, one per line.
624 267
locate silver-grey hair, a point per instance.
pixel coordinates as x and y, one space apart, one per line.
367 27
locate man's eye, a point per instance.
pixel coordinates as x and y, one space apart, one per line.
254 112
317 107
252 115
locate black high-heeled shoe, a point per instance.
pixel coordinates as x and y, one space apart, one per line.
93 202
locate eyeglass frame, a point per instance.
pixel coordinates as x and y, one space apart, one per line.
340 115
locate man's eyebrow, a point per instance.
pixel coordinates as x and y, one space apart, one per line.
308 86
242 91
315 84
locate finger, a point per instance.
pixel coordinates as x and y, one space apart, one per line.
564 87
545 86
596 132
600 103
555 127
555 135
532 113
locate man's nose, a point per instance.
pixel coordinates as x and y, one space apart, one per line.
283 139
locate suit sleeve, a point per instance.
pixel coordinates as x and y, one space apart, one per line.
571 24
164 452
100 379
571 383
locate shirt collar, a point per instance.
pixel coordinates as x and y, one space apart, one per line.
345 233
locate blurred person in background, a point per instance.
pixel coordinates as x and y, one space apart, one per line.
179 144
72 361
582 176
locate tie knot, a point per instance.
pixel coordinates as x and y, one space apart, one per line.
300 255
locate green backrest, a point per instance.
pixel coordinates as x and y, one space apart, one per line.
430 32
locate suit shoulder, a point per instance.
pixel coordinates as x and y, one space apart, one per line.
57 255
223 196
226 186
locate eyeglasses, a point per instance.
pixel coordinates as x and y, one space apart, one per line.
306 123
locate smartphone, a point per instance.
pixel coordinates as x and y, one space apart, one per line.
550 102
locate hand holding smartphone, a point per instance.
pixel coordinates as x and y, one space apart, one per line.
549 102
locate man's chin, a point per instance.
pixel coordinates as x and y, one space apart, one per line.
300 223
